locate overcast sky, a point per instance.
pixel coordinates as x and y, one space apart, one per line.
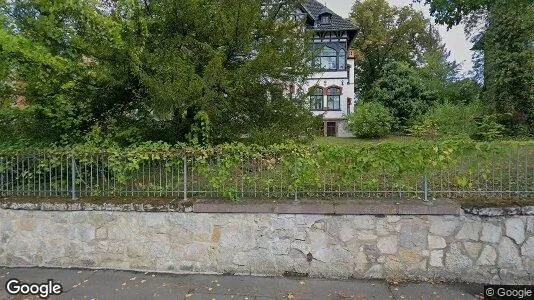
455 39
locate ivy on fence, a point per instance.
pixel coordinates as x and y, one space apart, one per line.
238 171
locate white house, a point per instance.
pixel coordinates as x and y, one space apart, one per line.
331 91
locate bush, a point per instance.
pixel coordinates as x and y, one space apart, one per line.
19 126
464 91
404 91
487 128
426 127
512 127
370 120
447 120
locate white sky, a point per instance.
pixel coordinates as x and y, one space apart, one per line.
454 39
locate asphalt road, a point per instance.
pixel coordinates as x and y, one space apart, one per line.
110 284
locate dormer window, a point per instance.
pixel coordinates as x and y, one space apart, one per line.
325 19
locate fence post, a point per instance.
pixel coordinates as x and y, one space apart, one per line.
425 186
185 177
73 177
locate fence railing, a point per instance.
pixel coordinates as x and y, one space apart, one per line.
507 174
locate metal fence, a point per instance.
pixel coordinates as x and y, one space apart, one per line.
500 175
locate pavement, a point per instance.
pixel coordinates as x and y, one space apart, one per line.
111 284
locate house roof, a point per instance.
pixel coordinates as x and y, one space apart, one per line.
314 9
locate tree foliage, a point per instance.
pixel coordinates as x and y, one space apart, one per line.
389 33
69 62
403 90
156 70
229 59
402 63
453 12
503 32
370 120
448 120
508 45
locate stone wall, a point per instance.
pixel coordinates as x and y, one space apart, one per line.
452 247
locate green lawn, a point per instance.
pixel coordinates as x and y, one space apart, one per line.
356 141
394 138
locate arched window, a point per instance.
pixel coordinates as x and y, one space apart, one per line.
327 58
342 60
334 98
316 98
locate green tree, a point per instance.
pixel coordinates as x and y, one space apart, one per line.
508 49
170 70
231 60
463 91
70 62
403 90
503 32
389 34
441 75
402 63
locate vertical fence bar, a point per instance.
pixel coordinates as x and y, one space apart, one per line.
160 179
527 187
185 177
425 186
17 173
61 174
91 162
56 164
166 174
33 190
108 177
211 167
86 177
149 184
242 175
73 177
2 175
257 173
172 177
22 175
518 189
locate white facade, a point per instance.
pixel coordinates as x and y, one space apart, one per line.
331 92
340 79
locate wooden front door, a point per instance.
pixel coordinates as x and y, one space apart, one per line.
331 128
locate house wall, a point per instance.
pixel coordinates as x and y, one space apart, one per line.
344 80
343 129
465 247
